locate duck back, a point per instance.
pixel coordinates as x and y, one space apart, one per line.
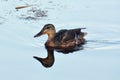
65 35
59 35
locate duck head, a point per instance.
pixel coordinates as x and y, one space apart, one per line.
48 29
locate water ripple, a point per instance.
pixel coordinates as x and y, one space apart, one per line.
2 20
102 44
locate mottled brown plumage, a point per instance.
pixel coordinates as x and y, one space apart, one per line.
63 38
64 41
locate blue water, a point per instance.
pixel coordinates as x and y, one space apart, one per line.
99 60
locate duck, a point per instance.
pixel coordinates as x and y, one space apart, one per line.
64 38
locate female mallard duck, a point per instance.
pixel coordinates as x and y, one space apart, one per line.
63 38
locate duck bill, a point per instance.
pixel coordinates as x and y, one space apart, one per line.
39 34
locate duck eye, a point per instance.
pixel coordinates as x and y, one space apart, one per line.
48 28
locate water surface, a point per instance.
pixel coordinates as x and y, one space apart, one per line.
99 60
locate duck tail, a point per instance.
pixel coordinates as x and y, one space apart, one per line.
85 33
82 28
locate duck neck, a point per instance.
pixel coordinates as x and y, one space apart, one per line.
51 36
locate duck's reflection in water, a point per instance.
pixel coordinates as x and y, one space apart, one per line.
50 59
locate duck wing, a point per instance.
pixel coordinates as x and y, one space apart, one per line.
67 35
59 35
72 34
